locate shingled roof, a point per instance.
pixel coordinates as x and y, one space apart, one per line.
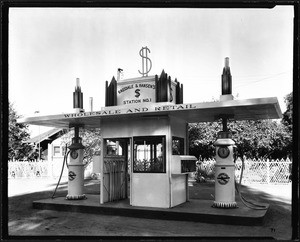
51 134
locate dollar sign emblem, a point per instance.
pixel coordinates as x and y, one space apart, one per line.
145 60
137 91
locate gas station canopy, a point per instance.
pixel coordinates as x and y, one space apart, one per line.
247 109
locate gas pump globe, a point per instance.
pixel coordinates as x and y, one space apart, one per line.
76 169
224 171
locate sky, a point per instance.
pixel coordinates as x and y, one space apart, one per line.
50 47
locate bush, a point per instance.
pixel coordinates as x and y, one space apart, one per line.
205 171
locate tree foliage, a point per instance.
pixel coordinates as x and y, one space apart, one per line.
287 118
261 139
91 139
17 135
253 138
201 139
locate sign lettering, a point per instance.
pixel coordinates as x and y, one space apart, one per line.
136 93
137 109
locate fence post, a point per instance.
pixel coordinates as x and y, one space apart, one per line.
268 171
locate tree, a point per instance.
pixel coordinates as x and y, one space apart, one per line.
254 139
91 139
261 139
201 139
18 134
287 118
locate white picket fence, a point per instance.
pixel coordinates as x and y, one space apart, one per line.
43 168
256 171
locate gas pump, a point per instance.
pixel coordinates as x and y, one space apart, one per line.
225 184
224 170
76 168
76 150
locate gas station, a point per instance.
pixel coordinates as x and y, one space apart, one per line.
144 134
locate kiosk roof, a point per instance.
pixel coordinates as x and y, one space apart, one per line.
247 109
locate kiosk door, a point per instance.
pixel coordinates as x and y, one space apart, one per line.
115 169
150 181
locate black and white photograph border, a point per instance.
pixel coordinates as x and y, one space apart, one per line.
209 90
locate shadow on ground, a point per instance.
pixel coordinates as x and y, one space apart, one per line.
24 220
278 217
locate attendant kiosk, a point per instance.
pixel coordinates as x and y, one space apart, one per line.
144 155
152 146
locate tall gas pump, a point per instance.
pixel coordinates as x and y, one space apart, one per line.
76 166
224 170
225 167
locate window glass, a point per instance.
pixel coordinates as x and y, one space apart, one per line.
177 146
149 154
114 147
56 150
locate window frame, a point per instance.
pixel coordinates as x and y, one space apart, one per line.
151 138
105 154
54 150
180 148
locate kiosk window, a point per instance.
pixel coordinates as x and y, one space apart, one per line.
114 147
149 154
177 146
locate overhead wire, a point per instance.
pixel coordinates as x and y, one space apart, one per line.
242 80
263 79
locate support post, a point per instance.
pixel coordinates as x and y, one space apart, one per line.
268 171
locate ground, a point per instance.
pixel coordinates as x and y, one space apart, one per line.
23 220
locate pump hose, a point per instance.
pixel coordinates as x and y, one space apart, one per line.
62 169
247 203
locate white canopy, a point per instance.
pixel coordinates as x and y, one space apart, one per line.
247 109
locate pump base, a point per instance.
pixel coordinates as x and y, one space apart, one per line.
76 197
224 205
226 97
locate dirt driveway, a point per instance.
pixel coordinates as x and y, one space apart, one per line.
23 220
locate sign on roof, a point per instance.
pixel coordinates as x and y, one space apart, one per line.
142 90
258 108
